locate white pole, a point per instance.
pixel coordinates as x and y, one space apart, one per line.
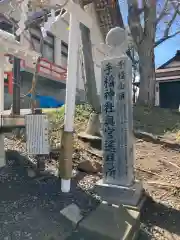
73 44
2 67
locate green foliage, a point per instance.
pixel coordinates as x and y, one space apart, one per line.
82 113
56 121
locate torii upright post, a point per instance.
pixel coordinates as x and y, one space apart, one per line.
77 15
67 138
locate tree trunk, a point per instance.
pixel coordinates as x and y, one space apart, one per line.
144 38
147 74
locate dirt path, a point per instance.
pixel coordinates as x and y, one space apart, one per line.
160 165
161 216
159 170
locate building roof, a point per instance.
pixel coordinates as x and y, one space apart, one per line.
108 13
175 58
169 71
166 73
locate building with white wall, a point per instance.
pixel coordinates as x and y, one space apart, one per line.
52 68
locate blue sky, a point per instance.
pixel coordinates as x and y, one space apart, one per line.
164 51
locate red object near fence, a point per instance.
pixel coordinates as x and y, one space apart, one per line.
9 82
49 70
45 68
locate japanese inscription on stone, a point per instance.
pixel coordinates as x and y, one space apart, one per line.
116 110
108 111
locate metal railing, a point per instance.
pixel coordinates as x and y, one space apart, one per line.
45 67
50 69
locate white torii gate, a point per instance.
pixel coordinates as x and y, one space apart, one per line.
8 45
77 15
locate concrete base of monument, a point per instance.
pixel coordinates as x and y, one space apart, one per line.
133 196
111 223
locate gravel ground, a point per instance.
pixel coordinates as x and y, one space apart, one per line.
30 207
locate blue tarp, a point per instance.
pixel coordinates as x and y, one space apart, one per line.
48 102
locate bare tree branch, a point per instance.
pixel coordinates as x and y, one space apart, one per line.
163 12
176 5
166 35
158 42
169 24
135 21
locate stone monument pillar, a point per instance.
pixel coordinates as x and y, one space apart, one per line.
118 183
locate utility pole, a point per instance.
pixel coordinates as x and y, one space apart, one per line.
16 82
